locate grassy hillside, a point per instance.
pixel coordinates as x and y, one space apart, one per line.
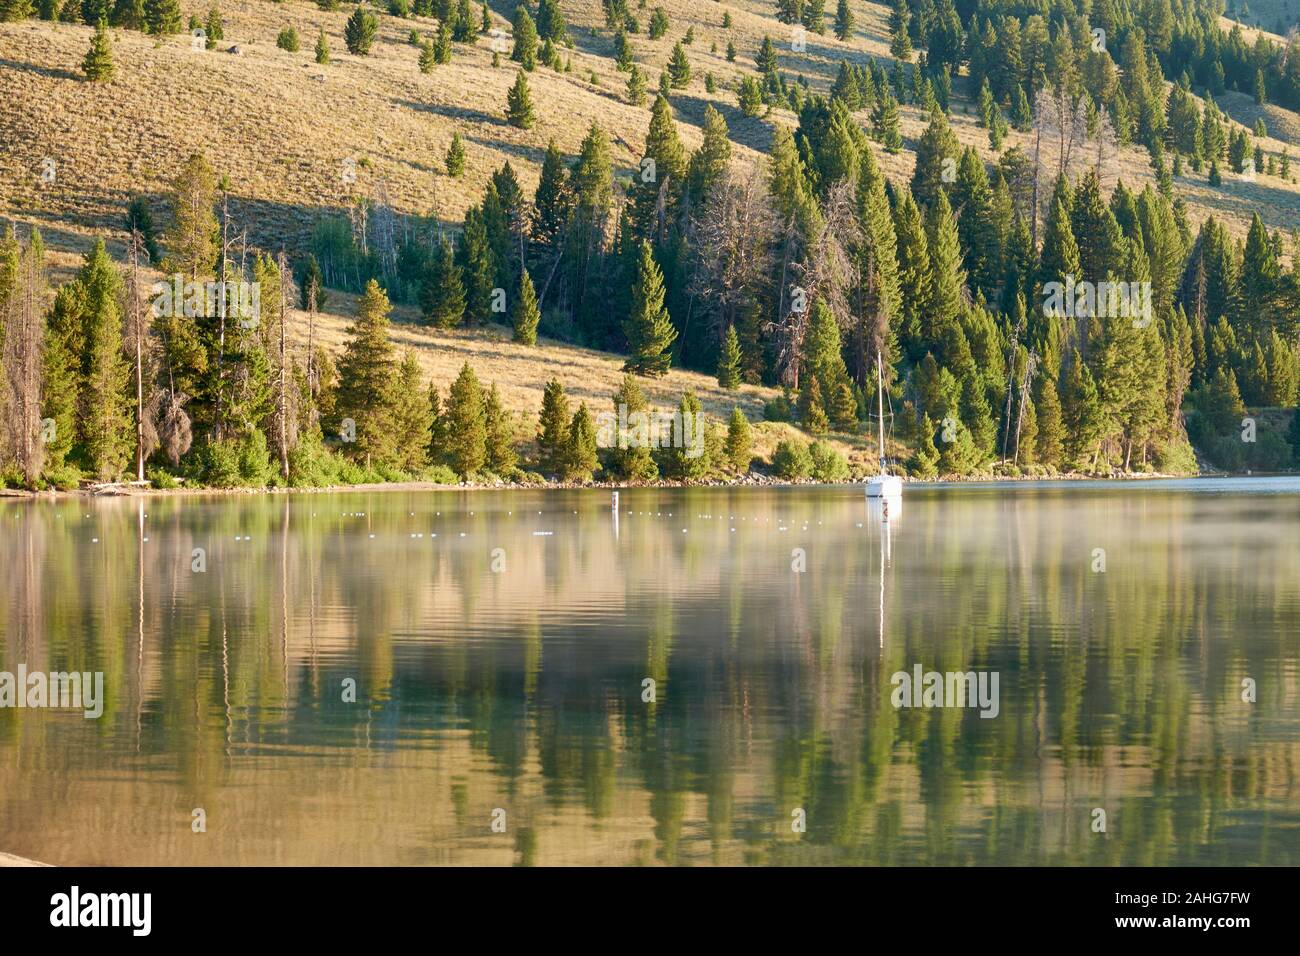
282 126
287 131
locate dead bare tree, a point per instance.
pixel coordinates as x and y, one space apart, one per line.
285 431
732 233
137 345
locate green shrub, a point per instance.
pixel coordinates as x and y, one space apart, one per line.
827 463
779 409
792 460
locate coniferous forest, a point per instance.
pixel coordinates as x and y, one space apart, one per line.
1034 308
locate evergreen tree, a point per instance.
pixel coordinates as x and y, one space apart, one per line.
900 41
464 28
478 272
499 442
466 424
884 122
630 457
580 453
739 446
525 315
412 417
519 103
843 20
442 294
813 16
359 33
729 360
213 29
456 157
679 68
162 17
686 460
442 45
288 40
98 64
937 150
105 419
925 459
648 328
553 437
636 86
322 48
428 57
366 373
658 23
550 21
525 35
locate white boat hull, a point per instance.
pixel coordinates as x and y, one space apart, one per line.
885 486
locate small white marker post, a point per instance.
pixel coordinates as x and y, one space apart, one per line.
613 506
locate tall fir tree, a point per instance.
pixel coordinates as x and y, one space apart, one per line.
649 330
466 424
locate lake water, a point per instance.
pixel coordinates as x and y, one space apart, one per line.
501 644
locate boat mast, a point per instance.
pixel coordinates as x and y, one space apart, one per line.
880 411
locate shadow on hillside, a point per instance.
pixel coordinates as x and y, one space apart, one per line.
52 72
751 131
454 112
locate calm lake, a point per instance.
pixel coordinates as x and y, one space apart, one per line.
703 678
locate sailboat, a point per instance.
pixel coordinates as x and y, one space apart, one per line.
883 485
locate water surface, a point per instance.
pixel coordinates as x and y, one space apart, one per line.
500 645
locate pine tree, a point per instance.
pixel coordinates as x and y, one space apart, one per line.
98 64
105 421
580 453
525 34
947 278
428 58
499 441
456 157
412 417
553 438
550 20
213 29
739 446
525 315
685 460
288 40
478 273
322 48
658 23
359 33
191 239
630 457
622 51
937 150
162 17
519 103
463 29
679 68
442 45
729 360
442 294
649 330
843 20
813 16
765 59
636 86
437 427
466 424
366 374
750 96
900 42
884 122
